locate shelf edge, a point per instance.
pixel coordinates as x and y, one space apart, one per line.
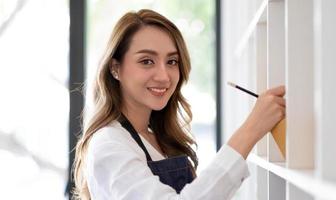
303 179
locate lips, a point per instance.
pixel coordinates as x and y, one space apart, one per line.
157 91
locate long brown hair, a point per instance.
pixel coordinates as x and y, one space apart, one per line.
171 124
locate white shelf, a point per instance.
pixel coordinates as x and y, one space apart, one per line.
303 179
325 70
300 84
259 17
293 43
276 74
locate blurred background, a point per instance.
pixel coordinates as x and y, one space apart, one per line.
48 49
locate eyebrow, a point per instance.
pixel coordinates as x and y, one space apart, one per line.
154 52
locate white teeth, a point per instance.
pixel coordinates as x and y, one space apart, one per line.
158 90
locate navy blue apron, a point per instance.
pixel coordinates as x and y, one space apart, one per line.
173 171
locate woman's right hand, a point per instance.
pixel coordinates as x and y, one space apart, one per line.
269 109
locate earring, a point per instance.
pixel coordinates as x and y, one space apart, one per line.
115 74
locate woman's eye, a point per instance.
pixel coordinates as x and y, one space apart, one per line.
147 62
173 62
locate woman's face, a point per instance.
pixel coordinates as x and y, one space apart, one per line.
149 72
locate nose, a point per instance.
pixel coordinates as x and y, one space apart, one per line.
161 73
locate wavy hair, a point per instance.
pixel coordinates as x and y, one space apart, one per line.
171 124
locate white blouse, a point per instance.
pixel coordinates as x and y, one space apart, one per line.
116 168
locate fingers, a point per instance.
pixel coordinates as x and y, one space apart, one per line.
275 102
280 112
281 101
277 91
279 104
274 95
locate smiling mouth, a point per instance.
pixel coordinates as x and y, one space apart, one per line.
157 91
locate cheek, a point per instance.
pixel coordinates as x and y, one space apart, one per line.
176 76
130 73
175 82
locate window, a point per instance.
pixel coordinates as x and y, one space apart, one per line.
34 100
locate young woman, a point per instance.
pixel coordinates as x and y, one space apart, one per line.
136 145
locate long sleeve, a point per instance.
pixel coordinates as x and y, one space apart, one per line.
115 170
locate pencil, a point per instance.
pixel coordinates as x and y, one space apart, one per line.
243 89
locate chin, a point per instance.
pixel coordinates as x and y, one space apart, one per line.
158 107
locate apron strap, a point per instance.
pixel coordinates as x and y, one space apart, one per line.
128 126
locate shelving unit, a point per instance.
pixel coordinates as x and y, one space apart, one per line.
291 43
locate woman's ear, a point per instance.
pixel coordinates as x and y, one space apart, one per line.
114 68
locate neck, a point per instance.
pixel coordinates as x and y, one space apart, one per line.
138 117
